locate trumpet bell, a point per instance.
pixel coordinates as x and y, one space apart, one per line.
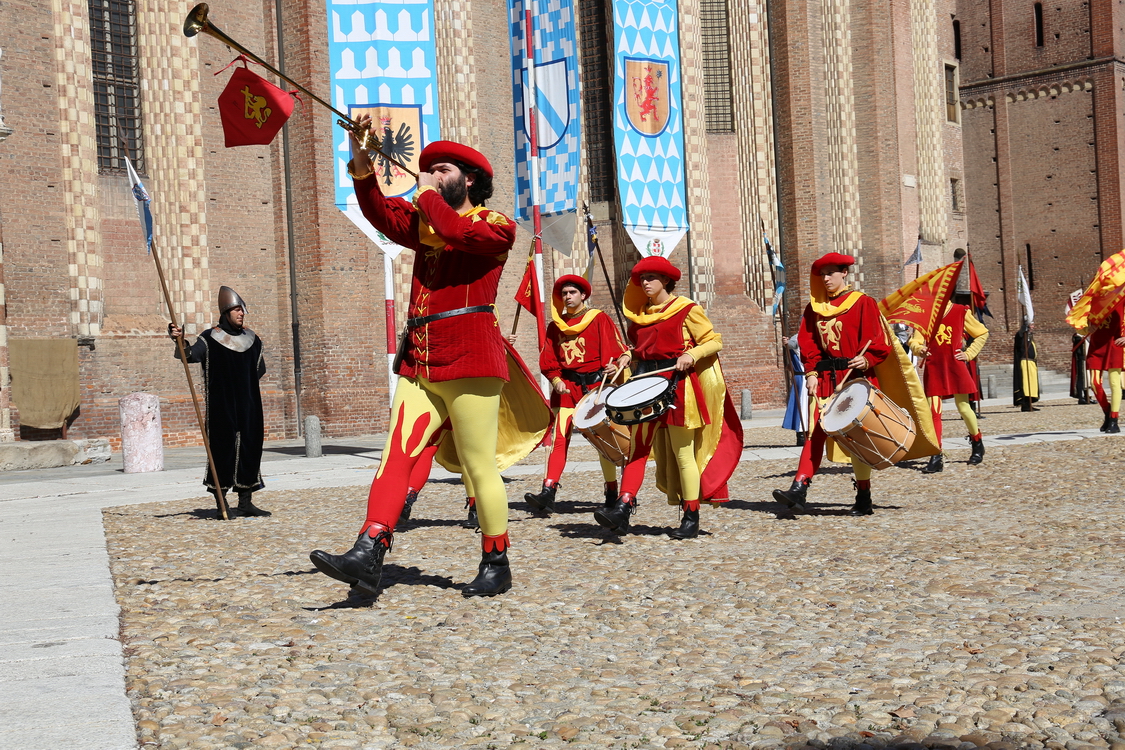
196 20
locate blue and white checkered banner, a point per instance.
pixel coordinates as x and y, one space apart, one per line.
647 120
559 136
383 63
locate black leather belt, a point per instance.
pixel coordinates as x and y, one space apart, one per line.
419 322
640 367
583 379
829 364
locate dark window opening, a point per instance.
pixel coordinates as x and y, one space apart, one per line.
957 39
715 31
957 197
1030 269
1039 24
117 84
952 101
597 98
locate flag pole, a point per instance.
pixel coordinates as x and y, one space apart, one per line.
605 271
533 159
220 497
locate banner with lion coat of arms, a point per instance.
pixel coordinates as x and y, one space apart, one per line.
383 63
648 131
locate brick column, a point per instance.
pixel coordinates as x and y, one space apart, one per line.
1109 135
6 435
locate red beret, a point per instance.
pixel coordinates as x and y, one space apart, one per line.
443 151
832 259
655 264
571 280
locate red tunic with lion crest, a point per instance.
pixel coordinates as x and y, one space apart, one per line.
589 350
843 336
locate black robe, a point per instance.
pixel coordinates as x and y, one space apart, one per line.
1025 372
1079 378
235 426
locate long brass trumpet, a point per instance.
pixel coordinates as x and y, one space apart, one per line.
197 21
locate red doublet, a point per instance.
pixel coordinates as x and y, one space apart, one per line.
945 375
1103 353
462 272
585 352
664 340
843 336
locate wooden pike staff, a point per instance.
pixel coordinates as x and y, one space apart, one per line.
220 498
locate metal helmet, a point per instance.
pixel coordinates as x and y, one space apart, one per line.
229 298
963 275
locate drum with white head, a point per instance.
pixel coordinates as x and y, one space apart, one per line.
641 399
868 425
609 439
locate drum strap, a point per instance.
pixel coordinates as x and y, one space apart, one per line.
832 363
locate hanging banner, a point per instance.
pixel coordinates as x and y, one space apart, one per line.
647 120
383 62
557 122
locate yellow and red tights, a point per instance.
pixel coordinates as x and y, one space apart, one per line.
560 444
472 406
964 408
813 453
1110 405
682 440
420 474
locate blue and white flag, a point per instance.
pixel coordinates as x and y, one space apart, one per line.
557 122
142 199
647 119
777 269
916 258
383 63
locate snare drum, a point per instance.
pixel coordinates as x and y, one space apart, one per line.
868 425
641 399
608 439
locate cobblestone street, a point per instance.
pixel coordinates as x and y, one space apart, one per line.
977 607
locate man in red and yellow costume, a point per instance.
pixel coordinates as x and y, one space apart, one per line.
581 342
456 362
1104 362
947 374
837 325
698 442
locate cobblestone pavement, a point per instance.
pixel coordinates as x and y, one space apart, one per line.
977 607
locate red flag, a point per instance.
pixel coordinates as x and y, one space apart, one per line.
980 301
252 109
1105 293
527 296
920 304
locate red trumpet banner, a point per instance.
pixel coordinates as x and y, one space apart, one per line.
252 109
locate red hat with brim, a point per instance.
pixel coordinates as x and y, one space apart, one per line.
445 151
577 282
655 264
832 259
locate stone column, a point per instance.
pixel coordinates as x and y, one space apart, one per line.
142 438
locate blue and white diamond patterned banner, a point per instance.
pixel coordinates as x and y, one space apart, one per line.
556 78
647 121
383 62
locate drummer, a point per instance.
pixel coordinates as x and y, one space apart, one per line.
581 343
698 442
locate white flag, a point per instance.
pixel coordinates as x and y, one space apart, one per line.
143 199
1023 295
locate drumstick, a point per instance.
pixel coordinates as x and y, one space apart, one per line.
602 384
848 374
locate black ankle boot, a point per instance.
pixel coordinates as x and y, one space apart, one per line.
610 494
616 518
936 464
801 438
408 506
796 495
494 576
689 526
361 566
1105 423
977 454
1111 428
544 500
247 508
862 505
471 522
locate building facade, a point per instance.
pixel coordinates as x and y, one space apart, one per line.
1042 105
819 124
